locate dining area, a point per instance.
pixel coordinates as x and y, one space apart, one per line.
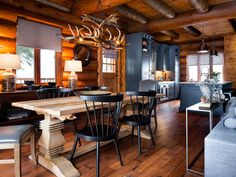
107 117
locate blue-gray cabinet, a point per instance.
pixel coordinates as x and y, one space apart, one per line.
139 58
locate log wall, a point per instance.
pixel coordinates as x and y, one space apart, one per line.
230 58
8 45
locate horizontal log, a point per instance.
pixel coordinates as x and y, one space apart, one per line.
196 48
67 44
91 6
217 12
7 29
39 8
218 43
191 30
132 14
10 13
200 5
161 7
170 33
67 52
8 45
83 75
81 83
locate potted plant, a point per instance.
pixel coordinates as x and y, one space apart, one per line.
215 76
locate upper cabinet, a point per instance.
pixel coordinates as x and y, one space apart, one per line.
163 57
138 59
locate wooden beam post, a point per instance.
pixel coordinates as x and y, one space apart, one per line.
132 14
161 7
192 30
200 5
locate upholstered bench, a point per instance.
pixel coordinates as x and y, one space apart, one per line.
220 152
11 137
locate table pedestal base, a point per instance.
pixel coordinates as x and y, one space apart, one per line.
60 166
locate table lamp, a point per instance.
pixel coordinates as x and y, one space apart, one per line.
73 66
9 62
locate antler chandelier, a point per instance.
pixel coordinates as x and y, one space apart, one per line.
97 34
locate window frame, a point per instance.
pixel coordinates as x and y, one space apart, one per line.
199 67
37 64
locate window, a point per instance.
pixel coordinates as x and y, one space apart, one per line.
109 61
200 66
38 65
26 72
108 65
47 66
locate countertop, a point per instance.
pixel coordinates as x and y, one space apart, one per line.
198 83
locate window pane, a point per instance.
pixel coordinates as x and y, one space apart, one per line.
218 69
27 64
193 73
204 72
47 65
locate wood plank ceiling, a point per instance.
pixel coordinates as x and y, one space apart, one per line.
168 21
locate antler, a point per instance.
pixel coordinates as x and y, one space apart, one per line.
97 36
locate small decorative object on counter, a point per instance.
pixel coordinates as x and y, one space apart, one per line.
215 76
203 99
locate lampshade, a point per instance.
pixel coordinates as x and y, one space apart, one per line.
73 66
9 61
203 47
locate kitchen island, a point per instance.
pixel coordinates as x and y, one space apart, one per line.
190 92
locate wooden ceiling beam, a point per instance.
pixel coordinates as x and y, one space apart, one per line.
39 8
81 7
233 23
207 40
192 30
170 33
132 14
218 12
200 5
161 7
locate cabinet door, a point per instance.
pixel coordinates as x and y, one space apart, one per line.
159 62
162 57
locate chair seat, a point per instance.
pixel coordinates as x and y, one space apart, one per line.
14 133
135 120
87 135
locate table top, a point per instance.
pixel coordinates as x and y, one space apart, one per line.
195 107
58 106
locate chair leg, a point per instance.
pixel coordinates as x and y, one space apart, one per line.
74 148
133 134
118 151
155 117
75 126
151 134
33 149
139 141
98 160
17 157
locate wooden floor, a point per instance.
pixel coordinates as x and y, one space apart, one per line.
166 158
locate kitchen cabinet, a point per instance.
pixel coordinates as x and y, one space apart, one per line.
162 57
168 59
139 59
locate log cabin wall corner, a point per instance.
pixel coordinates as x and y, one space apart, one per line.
8 30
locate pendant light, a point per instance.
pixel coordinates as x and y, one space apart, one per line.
213 51
203 48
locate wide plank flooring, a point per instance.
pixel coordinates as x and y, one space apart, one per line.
165 159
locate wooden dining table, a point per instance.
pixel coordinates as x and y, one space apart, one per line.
52 142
